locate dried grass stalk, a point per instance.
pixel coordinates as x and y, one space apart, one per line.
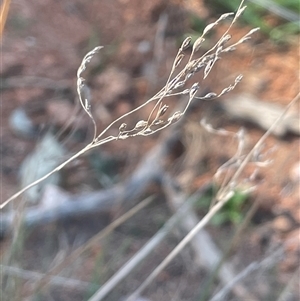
175 85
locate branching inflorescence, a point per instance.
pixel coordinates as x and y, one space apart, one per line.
176 84
156 121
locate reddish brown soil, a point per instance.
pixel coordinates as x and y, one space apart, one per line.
49 40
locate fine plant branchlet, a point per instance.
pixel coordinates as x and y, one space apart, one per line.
223 195
177 84
183 80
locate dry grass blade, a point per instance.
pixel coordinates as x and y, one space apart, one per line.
222 197
82 90
43 281
160 122
142 254
252 267
233 243
20 192
207 253
258 146
55 280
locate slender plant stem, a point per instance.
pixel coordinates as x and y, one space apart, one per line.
221 199
107 287
58 168
99 236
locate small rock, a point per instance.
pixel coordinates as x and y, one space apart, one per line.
21 124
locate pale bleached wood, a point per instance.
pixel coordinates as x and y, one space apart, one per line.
178 217
207 253
150 169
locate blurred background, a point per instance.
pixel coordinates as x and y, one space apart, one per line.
42 124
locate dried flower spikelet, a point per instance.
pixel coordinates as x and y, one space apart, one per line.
158 122
123 136
219 50
238 78
189 75
225 39
147 131
225 16
209 27
232 86
190 66
210 95
208 67
87 59
140 125
162 111
252 31
122 127
198 44
178 60
175 117
179 84
229 49
87 105
240 11
247 37
194 89
199 67
186 43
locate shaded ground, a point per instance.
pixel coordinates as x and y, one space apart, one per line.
48 40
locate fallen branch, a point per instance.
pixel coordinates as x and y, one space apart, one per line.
146 250
42 282
246 107
149 170
206 251
222 197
